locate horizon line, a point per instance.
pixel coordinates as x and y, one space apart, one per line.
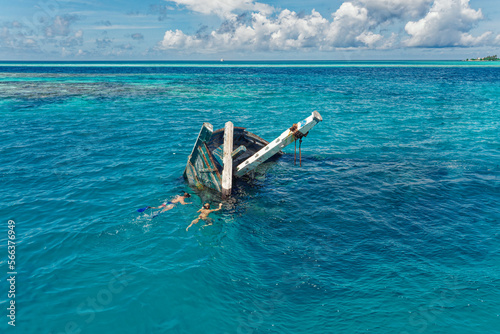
226 60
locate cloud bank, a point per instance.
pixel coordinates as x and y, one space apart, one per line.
366 24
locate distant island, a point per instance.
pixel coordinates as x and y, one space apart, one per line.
489 58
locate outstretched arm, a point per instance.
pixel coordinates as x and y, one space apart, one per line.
220 206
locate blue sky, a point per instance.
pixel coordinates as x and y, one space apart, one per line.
248 29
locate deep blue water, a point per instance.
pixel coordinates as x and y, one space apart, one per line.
391 225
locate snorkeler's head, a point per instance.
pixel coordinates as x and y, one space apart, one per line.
186 195
206 206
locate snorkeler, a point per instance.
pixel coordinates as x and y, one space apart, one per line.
205 211
169 205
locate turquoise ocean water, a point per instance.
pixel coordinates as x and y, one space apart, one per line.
391 225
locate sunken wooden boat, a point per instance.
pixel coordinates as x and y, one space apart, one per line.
232 152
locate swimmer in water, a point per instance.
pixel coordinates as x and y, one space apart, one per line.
169 205
204 212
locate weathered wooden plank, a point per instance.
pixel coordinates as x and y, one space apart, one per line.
276 145
205 162
227 172
218 154
239 151
207 170
190 175
204 135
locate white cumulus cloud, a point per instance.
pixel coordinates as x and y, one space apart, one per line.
384 10
446 24
350 21
287 31
224 8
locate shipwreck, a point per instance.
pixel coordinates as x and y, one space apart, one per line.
218 157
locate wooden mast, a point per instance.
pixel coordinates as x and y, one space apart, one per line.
276 145
227 172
